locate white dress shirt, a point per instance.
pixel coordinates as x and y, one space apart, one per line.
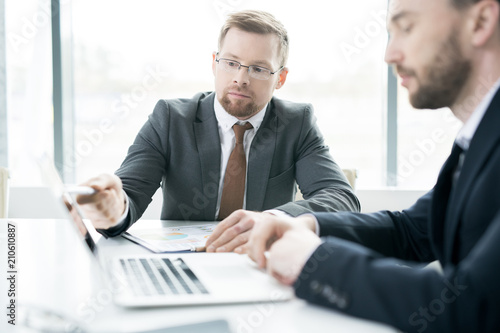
225 123
466 133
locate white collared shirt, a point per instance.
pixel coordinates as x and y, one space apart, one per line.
466 133
225 123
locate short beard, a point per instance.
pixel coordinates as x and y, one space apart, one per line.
239 109
446 77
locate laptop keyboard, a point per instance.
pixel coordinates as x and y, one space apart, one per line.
161 276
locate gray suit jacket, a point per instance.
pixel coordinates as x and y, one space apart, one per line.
179 149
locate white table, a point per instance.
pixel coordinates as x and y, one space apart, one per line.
56 272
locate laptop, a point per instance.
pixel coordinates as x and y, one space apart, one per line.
175 279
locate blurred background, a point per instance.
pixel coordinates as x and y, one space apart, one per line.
123 56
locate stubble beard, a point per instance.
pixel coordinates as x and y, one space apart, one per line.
444 78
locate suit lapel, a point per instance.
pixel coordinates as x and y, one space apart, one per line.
260 160
440 200
208 143
484 141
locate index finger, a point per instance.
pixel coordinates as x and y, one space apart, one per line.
104 182
221 227
99 184
261 236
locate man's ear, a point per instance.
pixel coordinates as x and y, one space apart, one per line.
214 63
282 77
485 16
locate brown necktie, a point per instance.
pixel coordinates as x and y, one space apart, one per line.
234 179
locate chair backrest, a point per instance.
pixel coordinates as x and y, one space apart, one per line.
4 192
351 175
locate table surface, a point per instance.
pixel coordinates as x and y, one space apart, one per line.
57 275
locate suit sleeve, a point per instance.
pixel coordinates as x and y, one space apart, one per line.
361 282
142 170
402 235
323 185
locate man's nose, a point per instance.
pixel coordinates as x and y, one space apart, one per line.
242 75
393 53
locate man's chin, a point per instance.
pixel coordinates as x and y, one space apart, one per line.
427 102
239 110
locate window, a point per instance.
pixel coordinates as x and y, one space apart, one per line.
336 63
127 54
425 138
29 87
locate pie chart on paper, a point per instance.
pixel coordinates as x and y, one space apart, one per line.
171 239
174 236
164 236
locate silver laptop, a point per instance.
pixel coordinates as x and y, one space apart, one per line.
176 279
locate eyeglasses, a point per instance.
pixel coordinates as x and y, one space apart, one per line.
257 72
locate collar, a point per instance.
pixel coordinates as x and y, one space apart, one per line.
226 121
466 133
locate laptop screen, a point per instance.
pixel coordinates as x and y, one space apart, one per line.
53 181
78 220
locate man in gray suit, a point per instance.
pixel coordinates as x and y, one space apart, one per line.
185 145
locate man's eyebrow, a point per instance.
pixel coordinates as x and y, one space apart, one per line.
231 56
262 63
399 16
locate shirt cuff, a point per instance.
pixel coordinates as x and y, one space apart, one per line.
122 218
316 223
281 213
277 212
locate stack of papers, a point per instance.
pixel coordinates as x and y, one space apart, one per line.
171 239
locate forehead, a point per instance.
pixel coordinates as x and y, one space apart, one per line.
251 47
425 8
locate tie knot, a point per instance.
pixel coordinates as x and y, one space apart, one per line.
239 131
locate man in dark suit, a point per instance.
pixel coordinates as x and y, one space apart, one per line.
447 54
186 146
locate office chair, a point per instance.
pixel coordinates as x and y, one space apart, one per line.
351 175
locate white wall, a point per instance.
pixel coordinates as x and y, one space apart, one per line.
33 202
387 199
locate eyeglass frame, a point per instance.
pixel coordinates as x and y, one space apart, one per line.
250 66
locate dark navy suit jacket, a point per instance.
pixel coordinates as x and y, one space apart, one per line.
458 225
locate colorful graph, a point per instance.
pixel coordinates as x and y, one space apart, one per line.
183 238
169 236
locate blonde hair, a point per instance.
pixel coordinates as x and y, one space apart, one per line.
259 22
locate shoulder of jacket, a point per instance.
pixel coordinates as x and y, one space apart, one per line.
284 105
291 110
184 106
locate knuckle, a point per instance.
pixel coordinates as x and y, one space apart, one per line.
232 232
242 238
237 228
99 206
